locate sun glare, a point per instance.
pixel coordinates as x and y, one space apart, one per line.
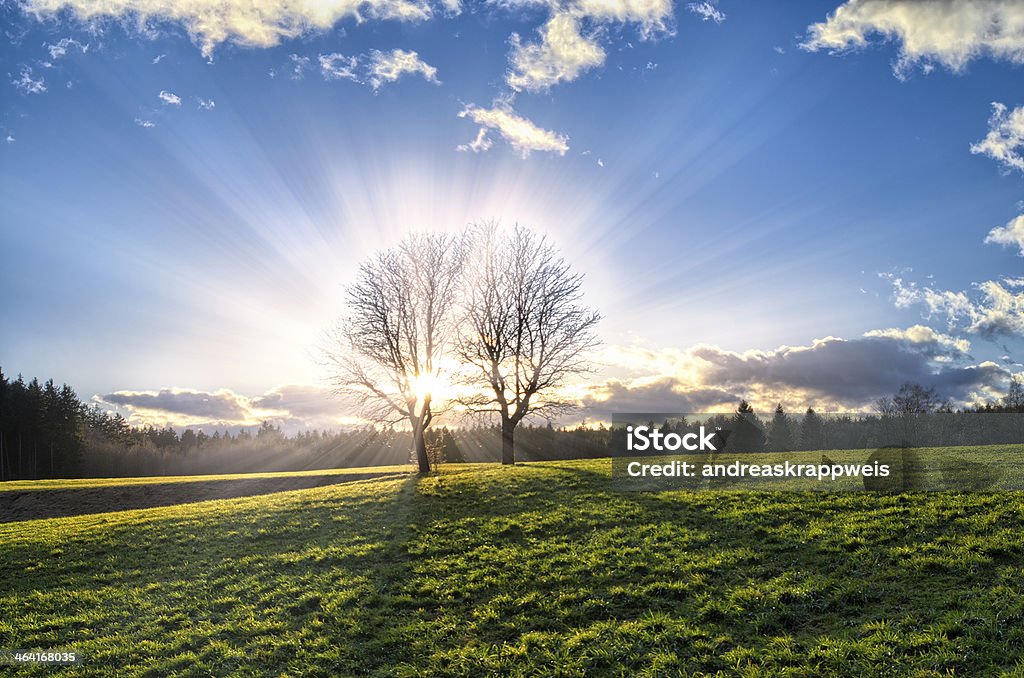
427 386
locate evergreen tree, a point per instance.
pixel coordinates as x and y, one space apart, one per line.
780 433
812 431
747 434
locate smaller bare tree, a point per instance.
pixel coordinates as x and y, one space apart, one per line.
524 329
386 353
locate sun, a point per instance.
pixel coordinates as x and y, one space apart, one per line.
424 385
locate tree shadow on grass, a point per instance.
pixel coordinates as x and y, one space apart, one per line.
747 569
538 570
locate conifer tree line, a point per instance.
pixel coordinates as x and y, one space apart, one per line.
47 431
41 429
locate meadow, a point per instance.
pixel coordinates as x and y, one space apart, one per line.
540 569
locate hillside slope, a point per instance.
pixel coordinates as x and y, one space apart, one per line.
534 570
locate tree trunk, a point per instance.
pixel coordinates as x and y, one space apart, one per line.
419 442
508 450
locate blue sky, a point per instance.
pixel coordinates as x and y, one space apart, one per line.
187 190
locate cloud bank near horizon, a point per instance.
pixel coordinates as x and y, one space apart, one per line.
829 374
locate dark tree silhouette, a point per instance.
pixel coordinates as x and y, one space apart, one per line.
780 433
525 328
1013 401
812 431
386 354
746 435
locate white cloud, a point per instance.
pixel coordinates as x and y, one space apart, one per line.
145 123
653 16
568 42
338 67
922 335
390 66
300 64
707 11
519 132
259 23
1005 139
60 49
562 55
10 139
158 58
27 83
992 309
947 32
169 98
479 145
1010 235
206 104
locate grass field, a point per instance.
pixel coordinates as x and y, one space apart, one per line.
540 569
81 483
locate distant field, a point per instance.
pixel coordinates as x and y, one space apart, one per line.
61 498
78 483
539 570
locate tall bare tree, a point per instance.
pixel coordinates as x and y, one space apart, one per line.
524 329
386 352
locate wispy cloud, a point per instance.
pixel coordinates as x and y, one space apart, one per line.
520 133
945 32
336 66
708 11
169 98
141 122
158 58
206 104
60 48
27 83
479 145
384 67
989 309
300 64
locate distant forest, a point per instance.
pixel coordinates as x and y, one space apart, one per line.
46 431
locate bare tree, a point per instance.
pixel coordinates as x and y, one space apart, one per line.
386 353
524 329
916 399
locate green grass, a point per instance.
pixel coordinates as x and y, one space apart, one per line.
81 483
537 570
